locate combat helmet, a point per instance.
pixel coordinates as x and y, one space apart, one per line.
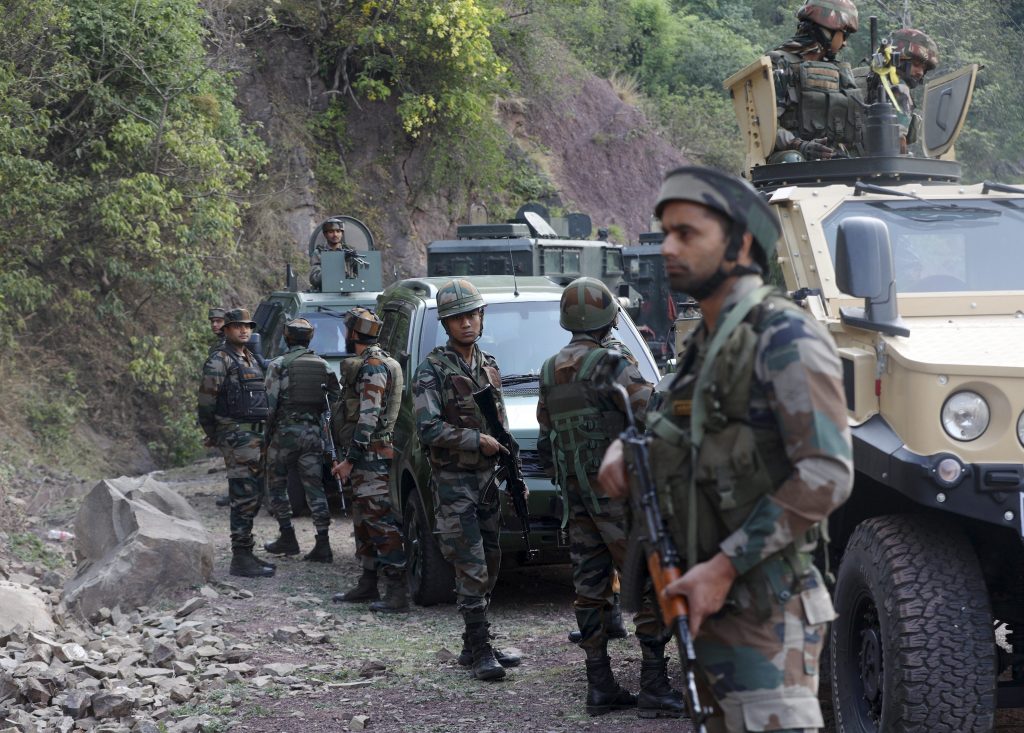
914 45
363 325
587 305
332 223
456 297
835 15
298 330
731 196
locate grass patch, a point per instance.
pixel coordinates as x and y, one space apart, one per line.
27 547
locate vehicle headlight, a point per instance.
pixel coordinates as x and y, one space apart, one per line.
965 416
1020 428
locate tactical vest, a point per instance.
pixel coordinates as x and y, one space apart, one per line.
243 396
461 411
582 427
392 399
307 375
823 101
345 425
737 463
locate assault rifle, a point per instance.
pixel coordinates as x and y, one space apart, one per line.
331 451
512 472
663 560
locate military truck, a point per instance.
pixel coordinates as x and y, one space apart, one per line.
324 308
521 330
919 279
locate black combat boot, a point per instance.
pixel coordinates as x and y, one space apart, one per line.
364 590
505 659
396 593
285 544
321 551
657 697
485 666
245 564
603 693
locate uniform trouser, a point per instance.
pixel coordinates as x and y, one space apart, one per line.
468 517
240 446
378 533
297 445
598 540
763 672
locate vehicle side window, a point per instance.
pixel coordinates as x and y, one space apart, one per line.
394 335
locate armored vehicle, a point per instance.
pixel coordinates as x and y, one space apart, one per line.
919 279
521 330
349 280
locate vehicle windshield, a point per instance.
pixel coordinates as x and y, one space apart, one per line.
947 246
521 336
330 333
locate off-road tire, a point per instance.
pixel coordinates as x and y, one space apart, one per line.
912 588
431 577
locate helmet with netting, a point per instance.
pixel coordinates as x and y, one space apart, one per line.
587 305
298 330
363 325
916 45
456 297
836 15
730 196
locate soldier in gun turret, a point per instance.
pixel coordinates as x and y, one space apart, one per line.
578 420
761 382
367 460
463 459
297 382
334 233
231 409
819 105
918 55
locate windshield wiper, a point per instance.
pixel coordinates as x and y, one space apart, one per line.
929 210
519 379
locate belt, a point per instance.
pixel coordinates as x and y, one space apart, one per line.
252 427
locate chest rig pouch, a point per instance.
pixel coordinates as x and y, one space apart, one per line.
460 410
582 429
307 375
244 393
826 109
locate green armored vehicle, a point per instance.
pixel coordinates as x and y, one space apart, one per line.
348 280
919 279
521 331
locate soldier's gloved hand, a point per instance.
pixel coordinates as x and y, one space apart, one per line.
815 149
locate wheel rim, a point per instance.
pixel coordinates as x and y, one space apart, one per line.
868 664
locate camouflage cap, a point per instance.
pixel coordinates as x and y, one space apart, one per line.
363 323
836 15
587 305
728 194
332 223
299 328
239 315
916 45
458 296
215 313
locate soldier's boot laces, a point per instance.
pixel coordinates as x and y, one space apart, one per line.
321 551
364 590
285 544
657 698
603 693
485 666
396 594
505 659
245 564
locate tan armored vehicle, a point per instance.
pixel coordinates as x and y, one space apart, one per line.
921 282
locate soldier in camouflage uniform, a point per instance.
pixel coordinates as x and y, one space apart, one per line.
757 406
297 383
334 232
231 408
819 105
368 453
578 420
216 319
463 457
918 56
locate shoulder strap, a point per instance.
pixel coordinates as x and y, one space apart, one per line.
455 368
590 362
547 372
287 359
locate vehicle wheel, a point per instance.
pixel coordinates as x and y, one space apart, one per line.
431 577
296 494
913 647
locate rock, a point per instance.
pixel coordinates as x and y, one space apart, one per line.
71 653
278 669
147 673
191 605
146 726
39 653
372 668
75 703
287 634
137 539
182 668
162 654
100 671
112 704
235 655
443 655
207 652
30 669
9 687
359 722
209 592
25 608
192 724
182 692
36 692
50 579
314 636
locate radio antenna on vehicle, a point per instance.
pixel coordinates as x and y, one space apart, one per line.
512 262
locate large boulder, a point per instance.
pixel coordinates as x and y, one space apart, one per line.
135 539
23 607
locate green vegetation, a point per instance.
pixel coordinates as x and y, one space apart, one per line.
27 547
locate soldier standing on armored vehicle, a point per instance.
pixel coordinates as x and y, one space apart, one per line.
578 421
231 408
334 232
463 458
757 407
297 382
818 102
379 542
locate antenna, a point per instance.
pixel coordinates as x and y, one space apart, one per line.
512 262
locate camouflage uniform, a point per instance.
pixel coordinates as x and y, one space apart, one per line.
295 435
912 45
378 533
316 268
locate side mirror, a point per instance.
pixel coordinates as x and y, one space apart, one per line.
255 344
864 269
